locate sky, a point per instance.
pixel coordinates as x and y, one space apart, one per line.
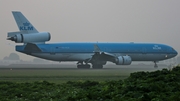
141 21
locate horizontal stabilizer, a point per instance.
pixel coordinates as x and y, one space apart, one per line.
32 48
12 34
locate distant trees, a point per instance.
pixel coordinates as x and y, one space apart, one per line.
12 56
178 59
175 60
15 58
38 60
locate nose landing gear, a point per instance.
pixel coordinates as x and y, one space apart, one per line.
155 64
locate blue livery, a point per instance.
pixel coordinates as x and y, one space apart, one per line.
96 54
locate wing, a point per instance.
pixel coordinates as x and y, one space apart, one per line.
101 56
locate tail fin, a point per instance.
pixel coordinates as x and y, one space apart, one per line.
23 24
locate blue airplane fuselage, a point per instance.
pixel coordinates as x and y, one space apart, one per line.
96 54
81 51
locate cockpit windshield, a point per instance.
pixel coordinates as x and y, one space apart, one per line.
172 49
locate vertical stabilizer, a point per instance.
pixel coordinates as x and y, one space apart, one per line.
23 24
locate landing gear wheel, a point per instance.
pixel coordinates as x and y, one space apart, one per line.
83 66
97 66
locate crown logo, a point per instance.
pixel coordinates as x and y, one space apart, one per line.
156 47
26 24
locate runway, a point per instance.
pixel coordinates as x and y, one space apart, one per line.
57 67
64 73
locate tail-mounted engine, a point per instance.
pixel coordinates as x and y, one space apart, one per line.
29 38
123 60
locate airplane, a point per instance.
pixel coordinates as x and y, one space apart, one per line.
97 54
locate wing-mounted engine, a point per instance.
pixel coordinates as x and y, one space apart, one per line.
104 56
123 60
19 37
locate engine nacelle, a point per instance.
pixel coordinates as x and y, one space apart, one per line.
123 60
31 37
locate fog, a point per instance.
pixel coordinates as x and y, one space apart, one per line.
151 21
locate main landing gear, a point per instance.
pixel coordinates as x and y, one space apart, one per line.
155 64
84 66
80 65
97 66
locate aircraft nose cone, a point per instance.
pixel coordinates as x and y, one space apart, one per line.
176 53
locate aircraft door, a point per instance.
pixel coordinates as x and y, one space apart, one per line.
144 50
52 51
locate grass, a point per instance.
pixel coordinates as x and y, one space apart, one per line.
61 75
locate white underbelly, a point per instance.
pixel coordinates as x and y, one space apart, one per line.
64 56
84 56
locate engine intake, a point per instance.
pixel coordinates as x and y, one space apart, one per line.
123 60
31 37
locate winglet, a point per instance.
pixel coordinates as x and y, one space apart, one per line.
96 48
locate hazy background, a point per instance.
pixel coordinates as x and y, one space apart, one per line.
156 21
